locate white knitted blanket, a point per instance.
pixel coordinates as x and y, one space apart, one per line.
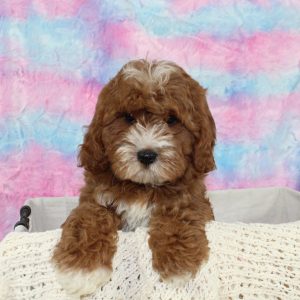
247 261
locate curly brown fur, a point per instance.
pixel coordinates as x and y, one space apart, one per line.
155 106
177 235
89 238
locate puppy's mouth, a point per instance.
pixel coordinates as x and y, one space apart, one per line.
145 168
147 161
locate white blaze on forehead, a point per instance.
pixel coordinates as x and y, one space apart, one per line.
153 136
151 72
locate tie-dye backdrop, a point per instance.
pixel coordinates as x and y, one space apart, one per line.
56 55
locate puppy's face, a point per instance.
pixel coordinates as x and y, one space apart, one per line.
151 124
146 147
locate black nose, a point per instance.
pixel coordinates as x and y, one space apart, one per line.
146 157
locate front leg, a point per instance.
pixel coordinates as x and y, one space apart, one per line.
83 256
178 241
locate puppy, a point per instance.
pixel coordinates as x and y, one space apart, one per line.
145 156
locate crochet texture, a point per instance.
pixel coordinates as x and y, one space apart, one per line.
247 261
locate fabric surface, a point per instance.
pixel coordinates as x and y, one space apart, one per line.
55 56
246 262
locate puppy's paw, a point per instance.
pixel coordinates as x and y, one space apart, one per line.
80 282
178 280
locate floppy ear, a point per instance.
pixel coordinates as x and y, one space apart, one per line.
92 154
205 139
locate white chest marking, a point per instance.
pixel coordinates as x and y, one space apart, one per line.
133 215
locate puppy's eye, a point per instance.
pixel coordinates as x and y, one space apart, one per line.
129 118
172 120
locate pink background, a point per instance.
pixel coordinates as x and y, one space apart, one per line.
56 55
